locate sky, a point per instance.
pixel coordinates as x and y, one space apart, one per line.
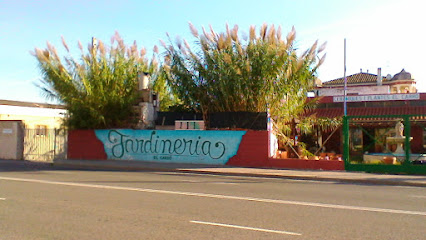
387 34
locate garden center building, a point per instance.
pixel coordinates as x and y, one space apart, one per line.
381 102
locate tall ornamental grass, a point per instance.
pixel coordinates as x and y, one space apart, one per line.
225 72
99 88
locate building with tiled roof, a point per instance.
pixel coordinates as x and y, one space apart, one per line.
377 115
374 103
363 79
367 83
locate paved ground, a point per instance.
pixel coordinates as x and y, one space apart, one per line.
44 201
342 176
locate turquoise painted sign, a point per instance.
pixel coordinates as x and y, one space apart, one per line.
182 146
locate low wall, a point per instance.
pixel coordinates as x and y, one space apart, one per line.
253 150
237 148
233 148
83 144
11 139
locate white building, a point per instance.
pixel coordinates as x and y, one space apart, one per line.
366 83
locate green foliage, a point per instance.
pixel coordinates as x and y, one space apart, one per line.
168 100
226 73
99 90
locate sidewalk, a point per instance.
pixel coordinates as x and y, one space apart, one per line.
337 176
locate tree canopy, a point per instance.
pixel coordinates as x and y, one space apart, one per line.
223 72
227 73
259 73
99 88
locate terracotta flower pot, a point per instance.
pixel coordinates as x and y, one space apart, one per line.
389 160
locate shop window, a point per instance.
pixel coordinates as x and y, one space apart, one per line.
355 142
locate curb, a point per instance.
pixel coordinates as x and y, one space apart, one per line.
316 178
135 166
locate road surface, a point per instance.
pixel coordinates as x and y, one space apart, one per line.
47 203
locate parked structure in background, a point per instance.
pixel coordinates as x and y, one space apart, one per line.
366 83
35 129
33 115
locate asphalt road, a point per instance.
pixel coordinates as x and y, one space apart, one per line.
39 202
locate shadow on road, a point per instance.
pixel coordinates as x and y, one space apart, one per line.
25 165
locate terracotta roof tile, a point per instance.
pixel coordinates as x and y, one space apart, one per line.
370 111
358 78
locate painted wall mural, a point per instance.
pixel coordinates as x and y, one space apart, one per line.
184 146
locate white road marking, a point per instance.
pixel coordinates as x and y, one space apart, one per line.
191 181
418 196
245 228
218 196
194 181
216 175
224 183
246 179
309 181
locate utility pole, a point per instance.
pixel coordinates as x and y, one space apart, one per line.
345 87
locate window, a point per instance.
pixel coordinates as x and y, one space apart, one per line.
355 141
41 130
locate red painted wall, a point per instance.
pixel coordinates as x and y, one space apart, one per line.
417 135
253 151
84 145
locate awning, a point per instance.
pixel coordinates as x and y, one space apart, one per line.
371 111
